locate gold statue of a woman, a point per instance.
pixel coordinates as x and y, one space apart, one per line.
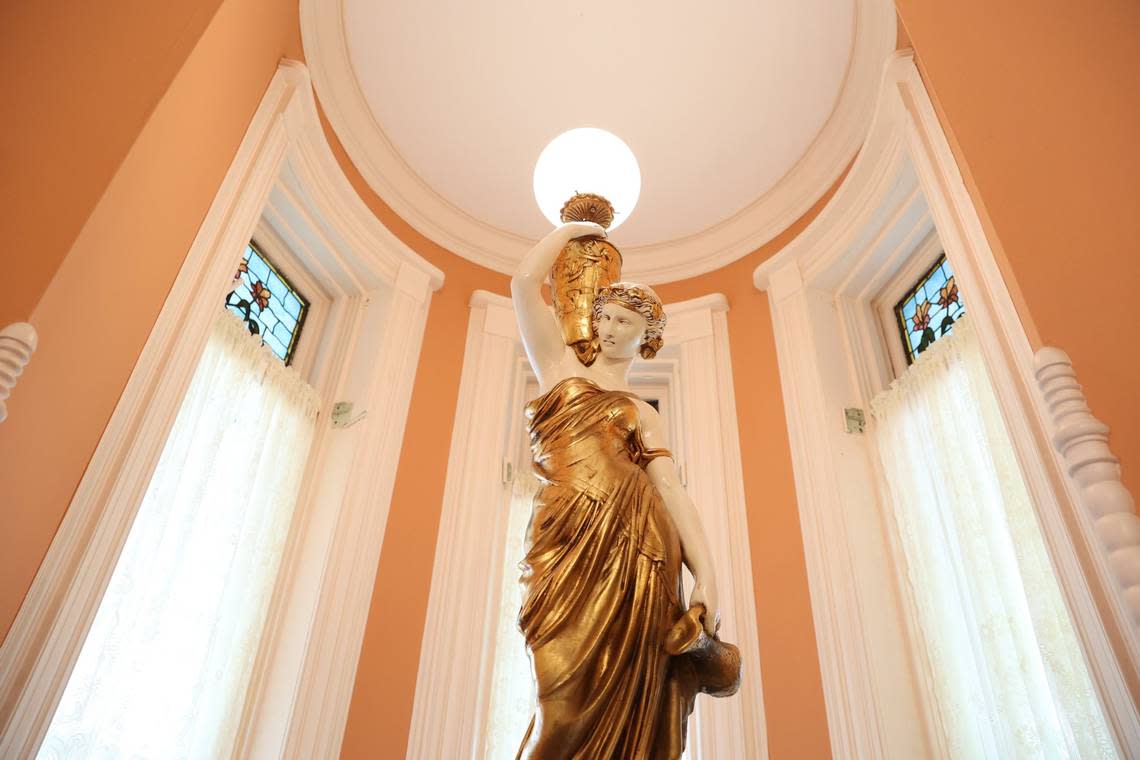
618 657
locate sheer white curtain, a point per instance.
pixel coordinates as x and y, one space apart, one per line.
165 668
1005 672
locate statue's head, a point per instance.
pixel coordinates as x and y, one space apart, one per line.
629 319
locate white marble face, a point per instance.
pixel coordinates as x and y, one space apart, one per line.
620 331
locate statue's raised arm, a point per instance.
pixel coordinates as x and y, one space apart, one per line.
541 335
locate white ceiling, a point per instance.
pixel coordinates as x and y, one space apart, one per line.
721 104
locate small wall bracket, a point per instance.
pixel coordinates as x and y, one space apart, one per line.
855 419
342 415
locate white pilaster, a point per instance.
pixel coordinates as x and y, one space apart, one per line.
845 664
732 727
451 688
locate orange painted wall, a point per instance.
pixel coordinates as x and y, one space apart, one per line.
112 283
1040 101
83 76
181 96
97 311
146 173
1056 198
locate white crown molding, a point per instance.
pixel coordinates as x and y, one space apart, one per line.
386 171
341 208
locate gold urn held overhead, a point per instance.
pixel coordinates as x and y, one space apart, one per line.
584 265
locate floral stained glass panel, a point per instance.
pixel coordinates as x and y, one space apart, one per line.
929 309
268 304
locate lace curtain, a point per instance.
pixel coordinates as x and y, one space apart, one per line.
1006 675
164 671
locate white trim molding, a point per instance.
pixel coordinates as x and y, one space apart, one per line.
386 171
695 371
17 344
373 293
827 289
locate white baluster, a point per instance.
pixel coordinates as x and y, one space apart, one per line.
1082 440
17 342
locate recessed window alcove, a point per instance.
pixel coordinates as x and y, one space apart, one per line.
833 293
368 296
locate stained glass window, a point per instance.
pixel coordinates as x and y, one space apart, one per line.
267 303
929 309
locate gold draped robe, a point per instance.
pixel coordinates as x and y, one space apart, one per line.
601 586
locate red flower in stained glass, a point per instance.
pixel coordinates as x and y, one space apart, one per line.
261 294
948 294
243 267
921 318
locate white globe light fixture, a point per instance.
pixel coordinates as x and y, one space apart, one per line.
587 160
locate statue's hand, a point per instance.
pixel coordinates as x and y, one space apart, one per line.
705 594
571 230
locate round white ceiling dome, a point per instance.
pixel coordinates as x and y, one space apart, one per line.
740 114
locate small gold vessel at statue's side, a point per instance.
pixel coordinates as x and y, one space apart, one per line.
583 267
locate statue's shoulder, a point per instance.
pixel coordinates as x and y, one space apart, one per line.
650 417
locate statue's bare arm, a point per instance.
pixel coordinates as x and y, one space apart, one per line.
541 335
694 544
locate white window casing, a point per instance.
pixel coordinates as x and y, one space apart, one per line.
370 298
827 290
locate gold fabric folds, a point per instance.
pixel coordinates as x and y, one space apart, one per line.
602 586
